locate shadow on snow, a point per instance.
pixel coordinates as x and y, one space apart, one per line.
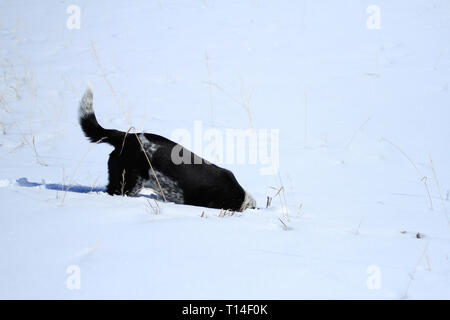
23 182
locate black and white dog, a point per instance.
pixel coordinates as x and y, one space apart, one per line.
197 182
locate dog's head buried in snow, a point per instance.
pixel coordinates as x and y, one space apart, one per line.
197 183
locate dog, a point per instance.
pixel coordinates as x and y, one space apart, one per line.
145 160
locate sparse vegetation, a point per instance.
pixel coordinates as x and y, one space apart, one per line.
76 169
439 189
244 102
422 177
413 273
110 86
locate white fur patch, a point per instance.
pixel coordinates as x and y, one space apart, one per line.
172 192
149 147
86 103
248 202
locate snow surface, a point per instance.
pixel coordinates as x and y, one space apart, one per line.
360 112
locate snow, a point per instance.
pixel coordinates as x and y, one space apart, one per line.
360 114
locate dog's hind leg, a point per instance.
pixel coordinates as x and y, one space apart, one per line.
122 180
114 175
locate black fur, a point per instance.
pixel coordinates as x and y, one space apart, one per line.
203 184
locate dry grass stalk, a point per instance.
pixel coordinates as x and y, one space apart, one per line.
210 88
411 276
300 209
157 205
285 227
3 128
22 144
122 183
439 188
63 179
356 132
154 209
269 201
427 259
422 177
17 148
94 248
111 88
38 159
94 184
63 183
359 226
211 99
278 192
284 204
4 104
306 119
77 167
227 212
245 103
281 194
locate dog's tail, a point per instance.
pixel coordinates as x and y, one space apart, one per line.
95 132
